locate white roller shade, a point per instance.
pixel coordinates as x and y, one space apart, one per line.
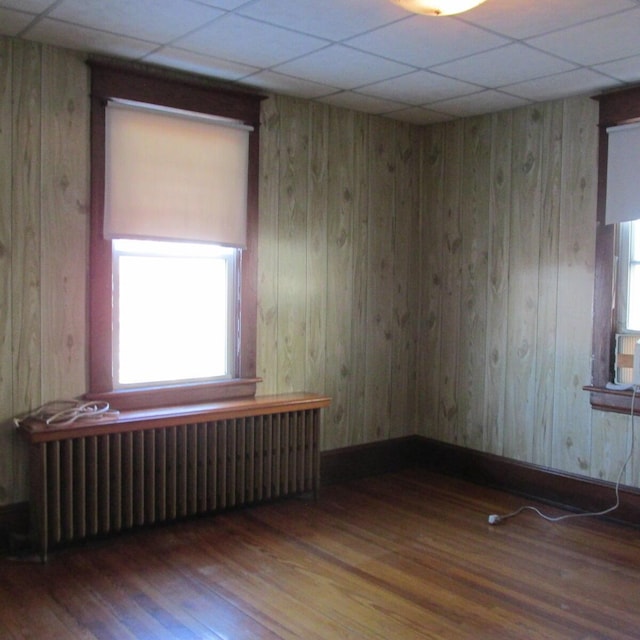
174 175
623 173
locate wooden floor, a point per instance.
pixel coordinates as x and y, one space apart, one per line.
406 555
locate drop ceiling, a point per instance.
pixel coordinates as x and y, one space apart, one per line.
368 55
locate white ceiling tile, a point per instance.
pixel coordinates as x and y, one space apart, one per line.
561 85
355 67
248 41
30 6
331 19
419 87
144 19
226 5
587 44
626 69
367 54
13 22
503 66
478 103
62 34
351 100
198 63
526 19
424 41
287 85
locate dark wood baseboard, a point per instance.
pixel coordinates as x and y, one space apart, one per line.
571 492
374 458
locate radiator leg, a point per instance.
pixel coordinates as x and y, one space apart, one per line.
316 454
39 507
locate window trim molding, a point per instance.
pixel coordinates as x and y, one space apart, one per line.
113 79
616 108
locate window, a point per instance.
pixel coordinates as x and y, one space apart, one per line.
154 340
172 318
628 278
616 109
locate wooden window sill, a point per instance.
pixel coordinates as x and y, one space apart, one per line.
615 400
177 395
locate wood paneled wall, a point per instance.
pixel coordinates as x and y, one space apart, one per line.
338 265
44 173
432 280
437 280
508 237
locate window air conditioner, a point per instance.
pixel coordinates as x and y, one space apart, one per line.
627 358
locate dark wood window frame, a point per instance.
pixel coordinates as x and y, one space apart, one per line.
155 86
616 108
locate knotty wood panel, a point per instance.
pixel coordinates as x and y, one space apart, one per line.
572 448
498 281
267 336
6 330
26 226
524 242
316 243
610 442
405 289
341 309
474 214
550 175
25 243
64 223
292 247
431 235
382 213
357 428
448 425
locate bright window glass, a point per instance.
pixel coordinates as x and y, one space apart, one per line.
633 300
174 312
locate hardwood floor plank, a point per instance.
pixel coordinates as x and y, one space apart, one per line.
411 572
29 605
231 568
519 561
402 555
143 614
350 601
70 595
173 576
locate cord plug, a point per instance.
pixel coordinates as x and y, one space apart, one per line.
494 518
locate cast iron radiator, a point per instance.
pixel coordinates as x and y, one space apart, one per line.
92 481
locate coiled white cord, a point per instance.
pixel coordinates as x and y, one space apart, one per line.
62 413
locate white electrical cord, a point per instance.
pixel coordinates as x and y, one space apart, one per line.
495 518
62 413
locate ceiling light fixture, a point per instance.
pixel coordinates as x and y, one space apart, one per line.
438 7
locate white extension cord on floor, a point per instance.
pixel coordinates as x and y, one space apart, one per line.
495 518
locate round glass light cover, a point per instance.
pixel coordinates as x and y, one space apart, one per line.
438 7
